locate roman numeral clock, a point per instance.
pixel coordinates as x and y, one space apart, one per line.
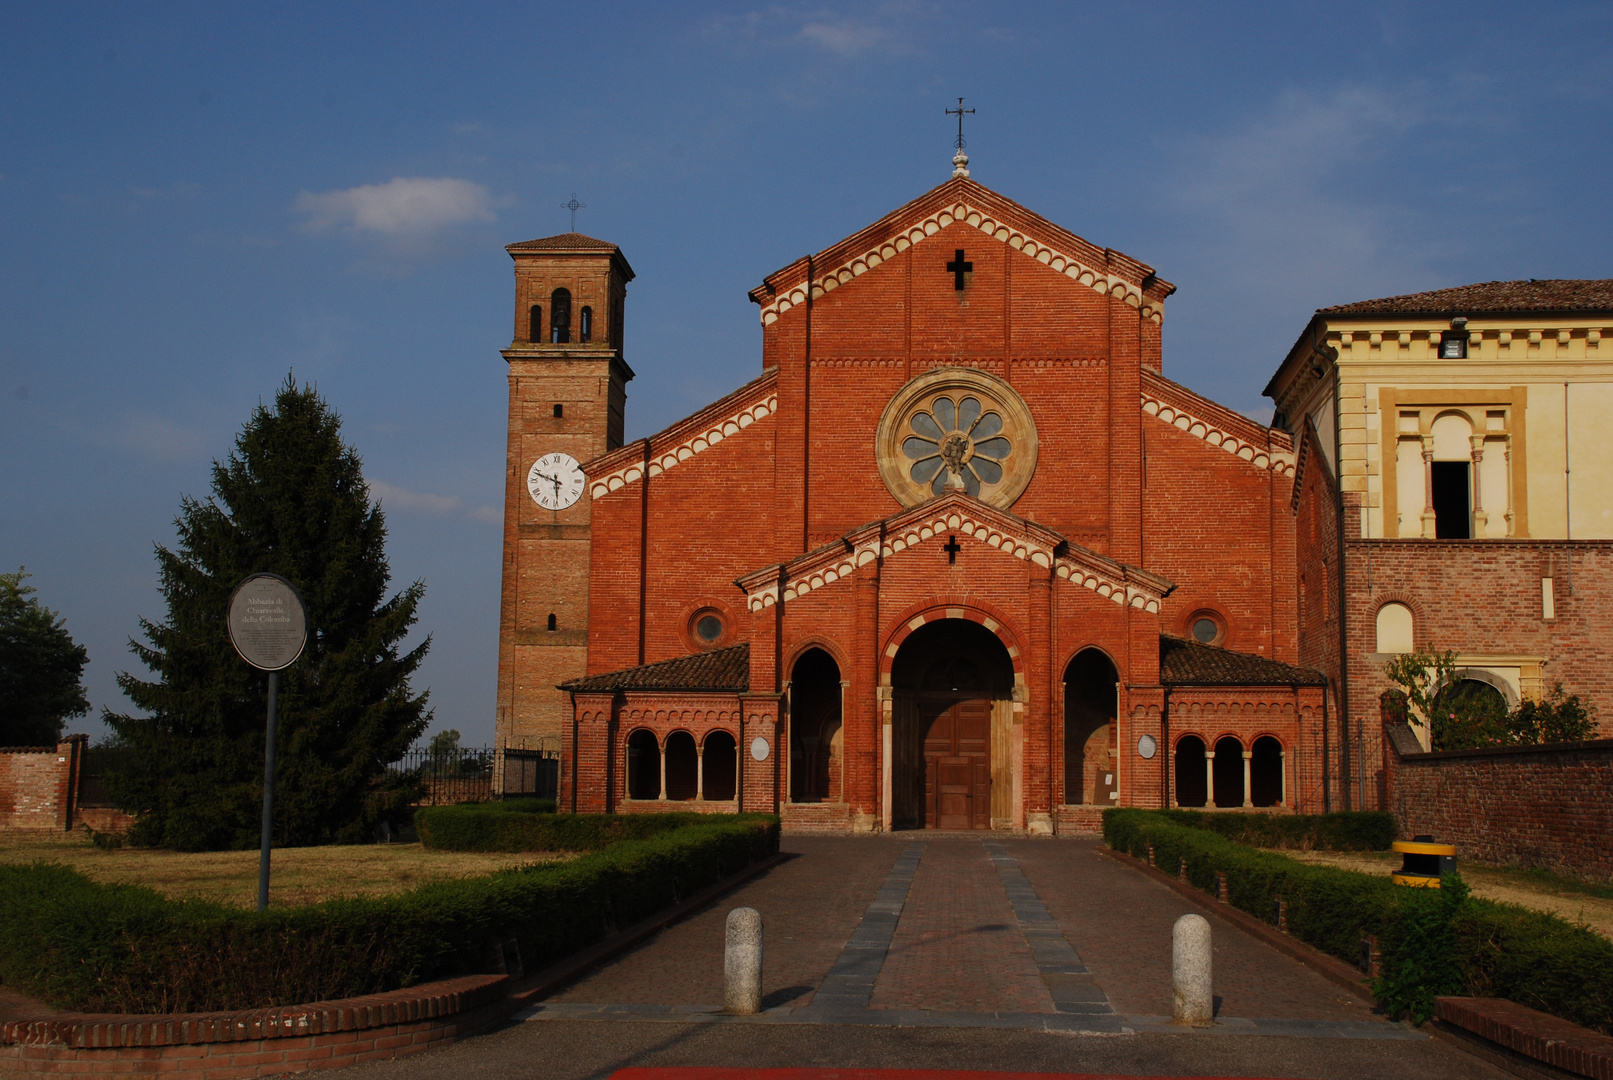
555 481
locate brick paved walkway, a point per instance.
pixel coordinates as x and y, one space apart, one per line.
958 947
810 906
1120 923
963 930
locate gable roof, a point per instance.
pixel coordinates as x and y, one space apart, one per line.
694 434
1261 446
571 241
1184 662
1491 297
961 200
720 670
955 514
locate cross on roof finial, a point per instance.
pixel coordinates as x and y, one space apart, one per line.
960 160
574 205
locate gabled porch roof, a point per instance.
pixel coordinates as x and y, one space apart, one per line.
955 514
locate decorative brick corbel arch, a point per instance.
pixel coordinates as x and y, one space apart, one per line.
1419 618
817 641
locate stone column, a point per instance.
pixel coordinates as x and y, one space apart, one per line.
662 744
1428 488
700 772
1480 518
1282 763
1248 795
1209 778
1511 520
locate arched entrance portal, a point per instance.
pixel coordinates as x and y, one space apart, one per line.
952 714
815 728
1089 730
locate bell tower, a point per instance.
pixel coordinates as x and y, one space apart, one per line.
568 391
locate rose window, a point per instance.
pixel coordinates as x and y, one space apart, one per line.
956 430
956 446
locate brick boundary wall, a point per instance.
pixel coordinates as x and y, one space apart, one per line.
259 1042
1531 806
39 784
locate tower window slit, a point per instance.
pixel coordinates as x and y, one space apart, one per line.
534 331
585 325
553 624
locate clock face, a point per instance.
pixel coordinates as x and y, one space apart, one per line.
555 481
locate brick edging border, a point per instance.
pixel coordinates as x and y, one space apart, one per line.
1329 967
317 1035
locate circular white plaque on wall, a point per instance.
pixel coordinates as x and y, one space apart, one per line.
759 748
1147 747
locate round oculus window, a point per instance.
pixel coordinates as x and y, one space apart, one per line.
956 429
1206 630
708 628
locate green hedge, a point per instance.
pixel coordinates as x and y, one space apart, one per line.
493 827
1432 942
1341 830
121 948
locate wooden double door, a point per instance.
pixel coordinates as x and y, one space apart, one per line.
957 762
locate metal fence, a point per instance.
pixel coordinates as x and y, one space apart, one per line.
468 774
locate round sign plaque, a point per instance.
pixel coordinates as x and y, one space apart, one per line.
759 748
1147 747
268 626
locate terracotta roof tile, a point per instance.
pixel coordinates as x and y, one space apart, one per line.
1561 294
724 670
1191 663
571 241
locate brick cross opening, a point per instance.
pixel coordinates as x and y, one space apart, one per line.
952 548
957 268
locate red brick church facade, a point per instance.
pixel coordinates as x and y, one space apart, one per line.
961 556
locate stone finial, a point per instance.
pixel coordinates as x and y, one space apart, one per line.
960 165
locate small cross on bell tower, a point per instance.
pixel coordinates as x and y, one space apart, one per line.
960 160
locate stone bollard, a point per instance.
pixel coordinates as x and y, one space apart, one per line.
1150 854
1192 998
742 962
1221 886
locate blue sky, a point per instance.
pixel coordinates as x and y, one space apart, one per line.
195 199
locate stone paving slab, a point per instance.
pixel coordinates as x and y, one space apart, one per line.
1068 981
810 905
958 946
1119 922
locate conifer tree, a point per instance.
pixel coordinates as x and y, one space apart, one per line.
41 668
290 499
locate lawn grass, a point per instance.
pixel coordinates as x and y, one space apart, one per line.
1577 901
297 876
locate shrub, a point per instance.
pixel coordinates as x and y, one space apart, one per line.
1341 830
1431 943
120 948
492 827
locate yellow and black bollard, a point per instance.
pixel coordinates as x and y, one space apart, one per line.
1423 861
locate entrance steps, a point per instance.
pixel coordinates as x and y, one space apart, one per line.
1077 819
815 817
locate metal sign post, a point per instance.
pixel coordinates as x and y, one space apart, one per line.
268 627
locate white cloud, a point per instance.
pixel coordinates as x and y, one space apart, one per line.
394 497
844 37
401 207
160 439
404 500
